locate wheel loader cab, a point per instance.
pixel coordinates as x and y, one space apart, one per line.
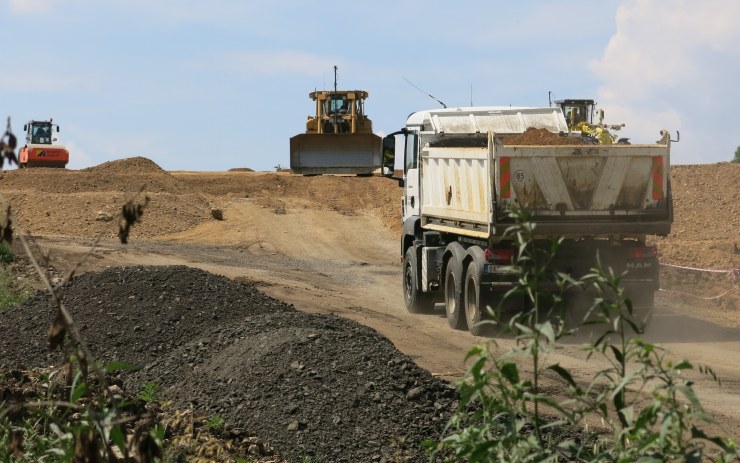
577 111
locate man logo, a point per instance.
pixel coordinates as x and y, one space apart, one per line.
639 265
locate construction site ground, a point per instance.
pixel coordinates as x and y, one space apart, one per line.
328 245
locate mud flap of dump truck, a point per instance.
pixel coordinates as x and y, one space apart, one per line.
336 153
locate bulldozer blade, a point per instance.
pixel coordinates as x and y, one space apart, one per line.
336 153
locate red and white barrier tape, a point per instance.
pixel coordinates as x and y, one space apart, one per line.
701 269
732 274
698 297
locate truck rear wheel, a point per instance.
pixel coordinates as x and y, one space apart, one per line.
416 301
453 297
473 300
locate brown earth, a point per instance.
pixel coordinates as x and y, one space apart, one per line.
533 136
330 245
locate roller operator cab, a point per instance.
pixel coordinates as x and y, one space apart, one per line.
42 148
461 181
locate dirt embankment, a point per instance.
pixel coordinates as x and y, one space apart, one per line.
705 234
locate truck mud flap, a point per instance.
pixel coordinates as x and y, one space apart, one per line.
316 154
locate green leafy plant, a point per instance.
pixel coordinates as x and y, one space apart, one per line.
502 416
215 424
150 392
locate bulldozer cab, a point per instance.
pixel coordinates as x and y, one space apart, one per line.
339 112
336 104
577 111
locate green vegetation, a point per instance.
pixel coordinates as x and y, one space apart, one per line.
6 254
10 292
737 155
71 419
150 392
215 424
648 410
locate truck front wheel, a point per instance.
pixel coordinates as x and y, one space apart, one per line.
416 301
453 297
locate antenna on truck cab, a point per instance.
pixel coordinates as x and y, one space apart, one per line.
425 93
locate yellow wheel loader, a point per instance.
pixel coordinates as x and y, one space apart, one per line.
579 115
339 138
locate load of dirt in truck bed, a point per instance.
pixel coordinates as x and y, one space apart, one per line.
533 136
310 385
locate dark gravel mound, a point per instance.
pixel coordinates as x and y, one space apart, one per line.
132 314
310 385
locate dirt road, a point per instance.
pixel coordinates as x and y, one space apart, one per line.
330 245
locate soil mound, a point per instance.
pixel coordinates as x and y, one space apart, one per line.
310 385
85 203
533 136
138 164
241 169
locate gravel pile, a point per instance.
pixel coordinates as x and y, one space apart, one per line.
307 384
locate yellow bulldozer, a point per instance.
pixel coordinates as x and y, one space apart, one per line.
339 137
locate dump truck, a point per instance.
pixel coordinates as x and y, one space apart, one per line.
339 137
462 179
42 148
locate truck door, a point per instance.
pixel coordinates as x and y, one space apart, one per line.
411 176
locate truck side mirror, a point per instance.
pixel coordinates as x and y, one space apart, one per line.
389 155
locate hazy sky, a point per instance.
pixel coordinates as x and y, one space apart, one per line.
216 84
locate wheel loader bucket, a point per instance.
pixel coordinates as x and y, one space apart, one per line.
335 153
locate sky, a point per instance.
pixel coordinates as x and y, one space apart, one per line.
220 84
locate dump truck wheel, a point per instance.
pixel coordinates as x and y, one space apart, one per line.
416 300
453 297
473 300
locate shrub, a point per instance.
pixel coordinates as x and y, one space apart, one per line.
500 417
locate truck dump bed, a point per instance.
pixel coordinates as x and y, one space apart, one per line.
571 189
